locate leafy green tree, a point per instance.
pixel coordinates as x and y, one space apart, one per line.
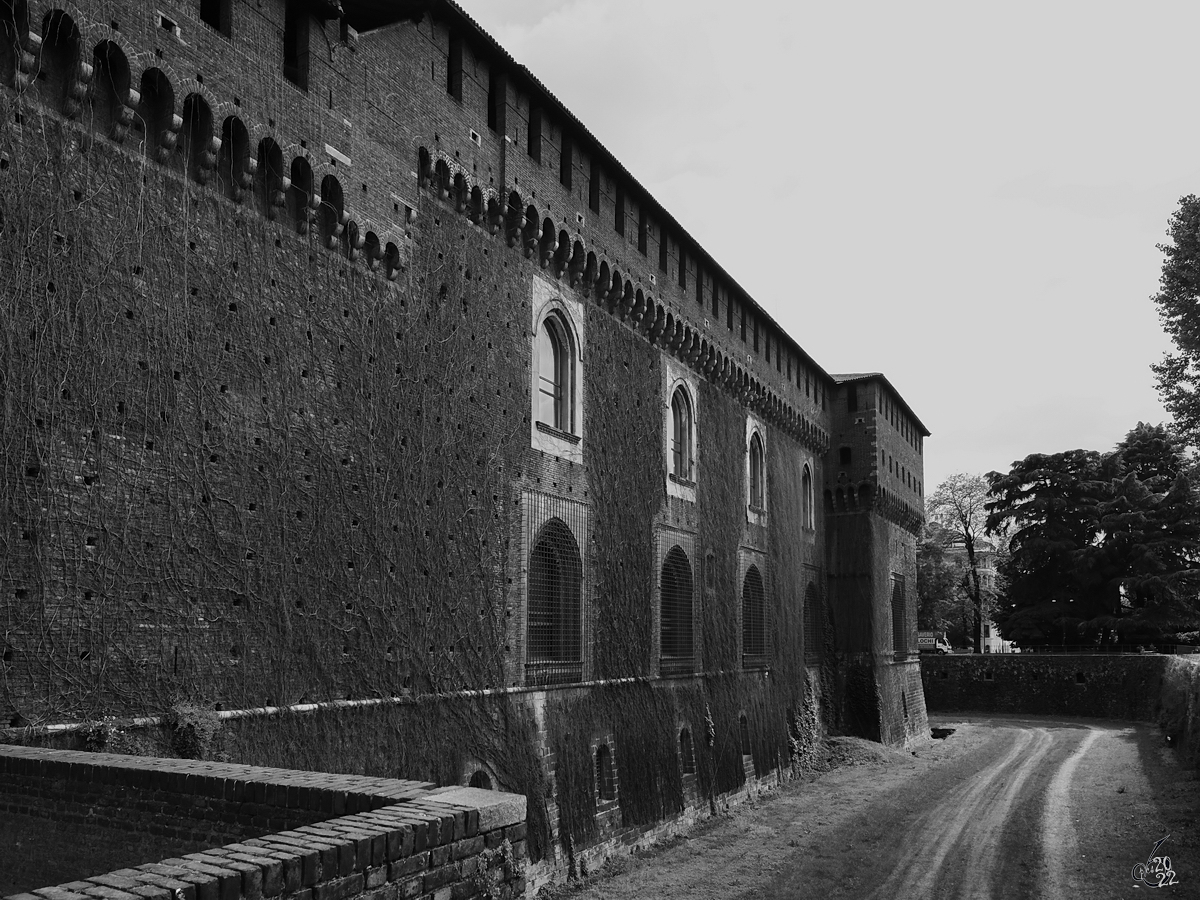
1178 302
958 505
937 580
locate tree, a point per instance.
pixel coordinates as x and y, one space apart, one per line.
958 506
937 580
1101 545
1178 302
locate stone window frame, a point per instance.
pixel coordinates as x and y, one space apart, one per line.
678 378
756 514
547 300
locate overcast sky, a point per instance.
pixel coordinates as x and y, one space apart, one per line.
965 197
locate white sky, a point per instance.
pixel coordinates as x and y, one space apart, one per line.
965 197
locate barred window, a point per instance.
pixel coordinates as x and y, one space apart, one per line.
814 632
555 370
754 621
687 756
678 655
555 587
757 492
604 773
681 436
899 617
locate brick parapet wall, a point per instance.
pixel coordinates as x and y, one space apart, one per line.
1104 685
401 840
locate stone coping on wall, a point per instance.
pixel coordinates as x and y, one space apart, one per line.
385 838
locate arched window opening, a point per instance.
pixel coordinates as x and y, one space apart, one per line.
271 182
687 755
442 182
14 28
682 460
424 167
814 631
372 249
235 166
675 583
195 157
757 479
754 621
332 214
59 82
481 779
462 193
529 233
391 261
605 782
554 607
111 82
300 197
155 119
555 367
806 499
476 211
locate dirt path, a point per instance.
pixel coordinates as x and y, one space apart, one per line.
1004 807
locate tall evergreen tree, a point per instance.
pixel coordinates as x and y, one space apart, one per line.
1178 302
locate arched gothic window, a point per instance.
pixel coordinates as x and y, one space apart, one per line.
757 479
675 583
806 499
554 614
555 368
682 451
754 621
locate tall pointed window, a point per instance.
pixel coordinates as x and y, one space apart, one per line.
554 619
682 461
757 479
806 499
555 372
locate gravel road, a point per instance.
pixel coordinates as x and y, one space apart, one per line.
1003 807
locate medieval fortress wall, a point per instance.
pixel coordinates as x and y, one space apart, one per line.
346 376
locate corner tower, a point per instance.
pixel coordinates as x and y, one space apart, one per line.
874 489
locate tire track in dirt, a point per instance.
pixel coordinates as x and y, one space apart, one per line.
953 844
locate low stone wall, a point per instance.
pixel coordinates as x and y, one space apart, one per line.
1146 687
364 837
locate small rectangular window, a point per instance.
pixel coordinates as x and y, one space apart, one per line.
643 229
497 100
565 161
217 14
619 212
594 187
533 142
295 43
454 68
